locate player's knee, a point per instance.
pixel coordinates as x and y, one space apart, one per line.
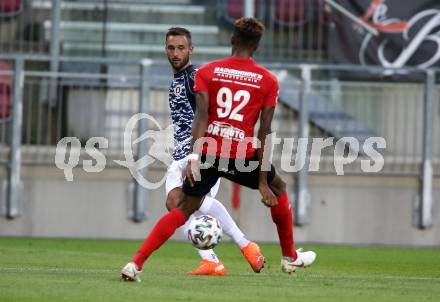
172 203
173 200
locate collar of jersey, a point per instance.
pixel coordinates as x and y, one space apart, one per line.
176 75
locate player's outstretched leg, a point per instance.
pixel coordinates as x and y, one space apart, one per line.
250 250
161 232
282 217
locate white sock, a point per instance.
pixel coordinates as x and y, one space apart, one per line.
208 255
216 209
204 254
185 227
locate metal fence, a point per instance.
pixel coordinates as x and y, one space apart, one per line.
316 102
340 106
393 111
99 105
96 105
84 106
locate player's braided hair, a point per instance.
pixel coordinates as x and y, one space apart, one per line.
178 31
248 31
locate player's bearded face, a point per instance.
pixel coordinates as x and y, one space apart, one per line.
178 50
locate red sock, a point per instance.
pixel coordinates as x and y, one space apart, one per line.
161 232
282 216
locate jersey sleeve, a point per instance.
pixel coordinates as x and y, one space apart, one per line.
199 82
271 97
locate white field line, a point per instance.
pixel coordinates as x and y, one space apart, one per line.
54 269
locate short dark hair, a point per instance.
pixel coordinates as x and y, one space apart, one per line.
178 31
248 31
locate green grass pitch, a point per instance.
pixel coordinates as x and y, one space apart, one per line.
88 270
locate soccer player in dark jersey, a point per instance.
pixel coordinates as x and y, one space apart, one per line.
231 95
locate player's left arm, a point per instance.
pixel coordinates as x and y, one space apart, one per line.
264 153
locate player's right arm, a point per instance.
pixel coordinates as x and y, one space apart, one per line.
264 152
266 115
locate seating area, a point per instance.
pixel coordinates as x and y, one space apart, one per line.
296 29
284 13
11 8
111 29
131 31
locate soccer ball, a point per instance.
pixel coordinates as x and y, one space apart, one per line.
204 232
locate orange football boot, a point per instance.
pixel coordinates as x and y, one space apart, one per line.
253 255
209 268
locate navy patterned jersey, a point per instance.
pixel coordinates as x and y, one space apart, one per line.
182 104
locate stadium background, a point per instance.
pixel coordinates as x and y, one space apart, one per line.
72 68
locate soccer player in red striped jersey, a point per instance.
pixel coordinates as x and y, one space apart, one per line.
232 94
